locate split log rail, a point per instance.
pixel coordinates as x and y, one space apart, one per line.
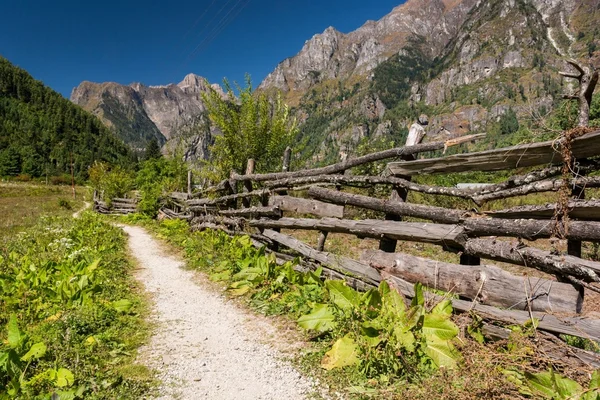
301 200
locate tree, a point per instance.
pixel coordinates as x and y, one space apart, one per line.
252 125
152 150
588 78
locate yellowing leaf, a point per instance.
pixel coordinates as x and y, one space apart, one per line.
343 353
444 308
64 377
36 351
123 305
14 334
90 341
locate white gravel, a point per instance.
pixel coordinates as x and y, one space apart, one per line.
205 347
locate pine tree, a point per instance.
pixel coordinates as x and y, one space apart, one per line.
152 150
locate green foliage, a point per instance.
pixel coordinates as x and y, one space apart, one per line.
551 385
152 150
389 338
156 178
254 127
70 313
109 181
393 78
43 133
508 122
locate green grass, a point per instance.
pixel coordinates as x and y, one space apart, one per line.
66 288
23 204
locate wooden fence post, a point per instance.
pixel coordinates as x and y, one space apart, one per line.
398 194
287 158
248 184
189 182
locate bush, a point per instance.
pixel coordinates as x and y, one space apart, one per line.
110 181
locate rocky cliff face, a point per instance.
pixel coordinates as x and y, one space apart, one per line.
138 113
334 55
463 62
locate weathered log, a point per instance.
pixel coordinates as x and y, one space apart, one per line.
235 223
339 263
440 234
535 187
530 229
354 162
588 78
583 210
487 284
436 214
307 206
180 195
517 253
575 326
525 155
254 212
361 181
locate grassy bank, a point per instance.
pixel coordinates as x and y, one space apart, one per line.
70 312
22 204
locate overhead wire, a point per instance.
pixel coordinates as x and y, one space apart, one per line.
223 23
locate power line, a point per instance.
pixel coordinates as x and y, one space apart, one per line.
199 19
223 23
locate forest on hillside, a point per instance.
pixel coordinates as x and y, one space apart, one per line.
42 133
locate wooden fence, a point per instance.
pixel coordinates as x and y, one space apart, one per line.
261 205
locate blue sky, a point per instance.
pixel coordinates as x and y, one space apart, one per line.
64 42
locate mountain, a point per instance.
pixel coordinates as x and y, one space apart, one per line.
464 64
457 66
139 113
42 133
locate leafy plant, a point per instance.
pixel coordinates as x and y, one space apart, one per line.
390 337
253 125
551 385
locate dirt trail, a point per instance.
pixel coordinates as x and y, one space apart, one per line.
205 347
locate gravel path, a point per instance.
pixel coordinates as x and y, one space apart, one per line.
204 346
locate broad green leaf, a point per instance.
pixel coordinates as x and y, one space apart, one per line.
419 299
93 266
595 381
321 319
36 351
123 305
444 308
342 296
221 276
372 301
394 303
384 289
566 387
441 352
64 378
14 334
439 326
405 338
343 353
543 383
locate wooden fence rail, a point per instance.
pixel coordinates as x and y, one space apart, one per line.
299 200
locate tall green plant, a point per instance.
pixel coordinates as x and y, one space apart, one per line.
253 126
